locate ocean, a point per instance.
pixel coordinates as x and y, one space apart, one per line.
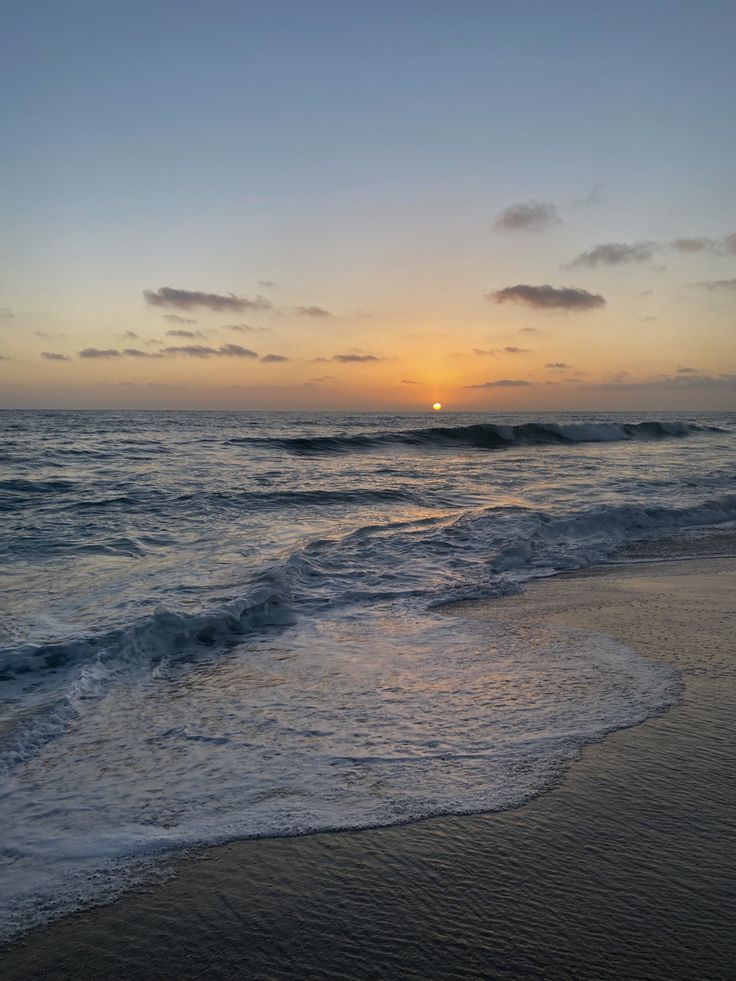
218 625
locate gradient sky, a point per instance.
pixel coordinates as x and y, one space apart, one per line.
373 192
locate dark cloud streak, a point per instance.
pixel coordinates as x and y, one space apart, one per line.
529 216
548 297
167 296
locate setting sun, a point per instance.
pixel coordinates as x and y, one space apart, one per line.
437 406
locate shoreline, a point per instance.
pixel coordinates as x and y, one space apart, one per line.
267 887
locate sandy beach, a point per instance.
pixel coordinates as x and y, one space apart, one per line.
625 869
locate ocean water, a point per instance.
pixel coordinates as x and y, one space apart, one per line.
218 625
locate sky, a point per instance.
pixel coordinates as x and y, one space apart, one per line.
368 205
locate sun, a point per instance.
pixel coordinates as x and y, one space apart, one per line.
437 406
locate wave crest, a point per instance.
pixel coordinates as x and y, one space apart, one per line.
483 436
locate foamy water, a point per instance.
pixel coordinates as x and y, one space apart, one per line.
223 624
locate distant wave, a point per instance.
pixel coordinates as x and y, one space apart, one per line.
483 436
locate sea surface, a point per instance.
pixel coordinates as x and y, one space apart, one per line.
222 625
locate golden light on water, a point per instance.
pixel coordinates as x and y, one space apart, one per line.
437 406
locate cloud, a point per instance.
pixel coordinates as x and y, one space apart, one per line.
95 352
557 365
167 296
354 358
548 297
49 337
6 317
716 246
174 318
266 283
502 383
595 196
688 371
323 378
716 284
246 329
4 357
53 356
616 254
530 216
692 244
201 351
313 312
493 351
236 351
529 330
620 376
274 358
133 352
679 381
129 335
409 381
184 333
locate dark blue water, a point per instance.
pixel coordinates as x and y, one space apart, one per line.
223 624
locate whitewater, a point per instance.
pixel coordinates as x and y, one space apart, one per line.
222 625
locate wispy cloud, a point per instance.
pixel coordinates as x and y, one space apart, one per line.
528 216
616 254
6 317
688 371
274 358
202 351
409 381
698 243
53 356
96 352
266 284
355 358
683 382
313 311
502 383
493 351
716 284
548 297
184 333
174 318
557 365
133 352
593 197
246 329
167 296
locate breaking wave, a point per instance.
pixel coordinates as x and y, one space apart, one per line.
483 436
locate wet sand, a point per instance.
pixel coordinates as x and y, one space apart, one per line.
625 870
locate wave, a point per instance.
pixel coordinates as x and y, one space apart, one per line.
484 436
436 559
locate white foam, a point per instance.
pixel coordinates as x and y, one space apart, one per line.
364 720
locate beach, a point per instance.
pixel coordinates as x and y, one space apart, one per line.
624 869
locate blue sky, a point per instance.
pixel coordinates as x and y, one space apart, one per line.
357 154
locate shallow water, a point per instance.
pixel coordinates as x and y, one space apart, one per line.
221 624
